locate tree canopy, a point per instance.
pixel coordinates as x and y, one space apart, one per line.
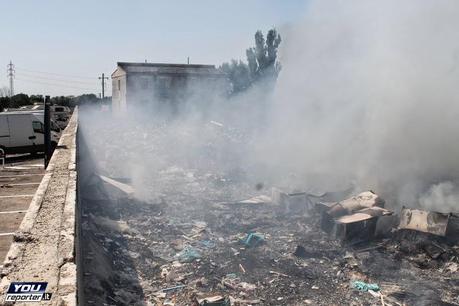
261 62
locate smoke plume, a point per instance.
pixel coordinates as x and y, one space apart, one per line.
368 94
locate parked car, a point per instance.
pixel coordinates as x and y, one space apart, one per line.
23 132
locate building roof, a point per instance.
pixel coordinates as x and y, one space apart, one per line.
165 68
128 64
22 112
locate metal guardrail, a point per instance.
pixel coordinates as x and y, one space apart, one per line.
2 157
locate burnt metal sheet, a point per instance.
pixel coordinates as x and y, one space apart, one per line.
323 207
128 189
357 217
350 229
296 203
376 211
261 199
424 221
356 232
254 201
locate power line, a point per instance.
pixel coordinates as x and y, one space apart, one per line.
54 79
57 74
54 84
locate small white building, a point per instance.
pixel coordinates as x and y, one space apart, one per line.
162 84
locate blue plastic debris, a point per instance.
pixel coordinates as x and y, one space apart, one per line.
173 288
253 239
362 286
208 243
188 254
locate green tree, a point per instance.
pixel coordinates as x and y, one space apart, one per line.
262 58
4 103
84 99
238 73
4 98
19 100
36 98
261 62
61 100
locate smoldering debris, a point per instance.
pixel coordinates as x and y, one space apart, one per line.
189 230
194 250
424 221
355 219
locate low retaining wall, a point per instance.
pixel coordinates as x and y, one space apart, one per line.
44 246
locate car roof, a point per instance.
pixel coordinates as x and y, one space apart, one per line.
19 113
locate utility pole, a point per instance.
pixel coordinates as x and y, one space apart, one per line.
10 73
103 78
47 126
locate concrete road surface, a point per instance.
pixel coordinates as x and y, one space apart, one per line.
19 180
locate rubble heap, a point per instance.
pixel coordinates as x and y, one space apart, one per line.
192 249
201 231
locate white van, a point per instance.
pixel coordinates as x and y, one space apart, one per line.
23 132
59 114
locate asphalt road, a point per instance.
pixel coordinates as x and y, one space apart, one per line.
19 180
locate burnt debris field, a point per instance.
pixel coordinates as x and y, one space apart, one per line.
171 229
333 182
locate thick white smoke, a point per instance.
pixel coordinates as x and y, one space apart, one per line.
369 94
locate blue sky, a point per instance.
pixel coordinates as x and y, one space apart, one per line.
70 39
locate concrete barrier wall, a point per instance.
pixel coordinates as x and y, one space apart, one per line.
44 246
